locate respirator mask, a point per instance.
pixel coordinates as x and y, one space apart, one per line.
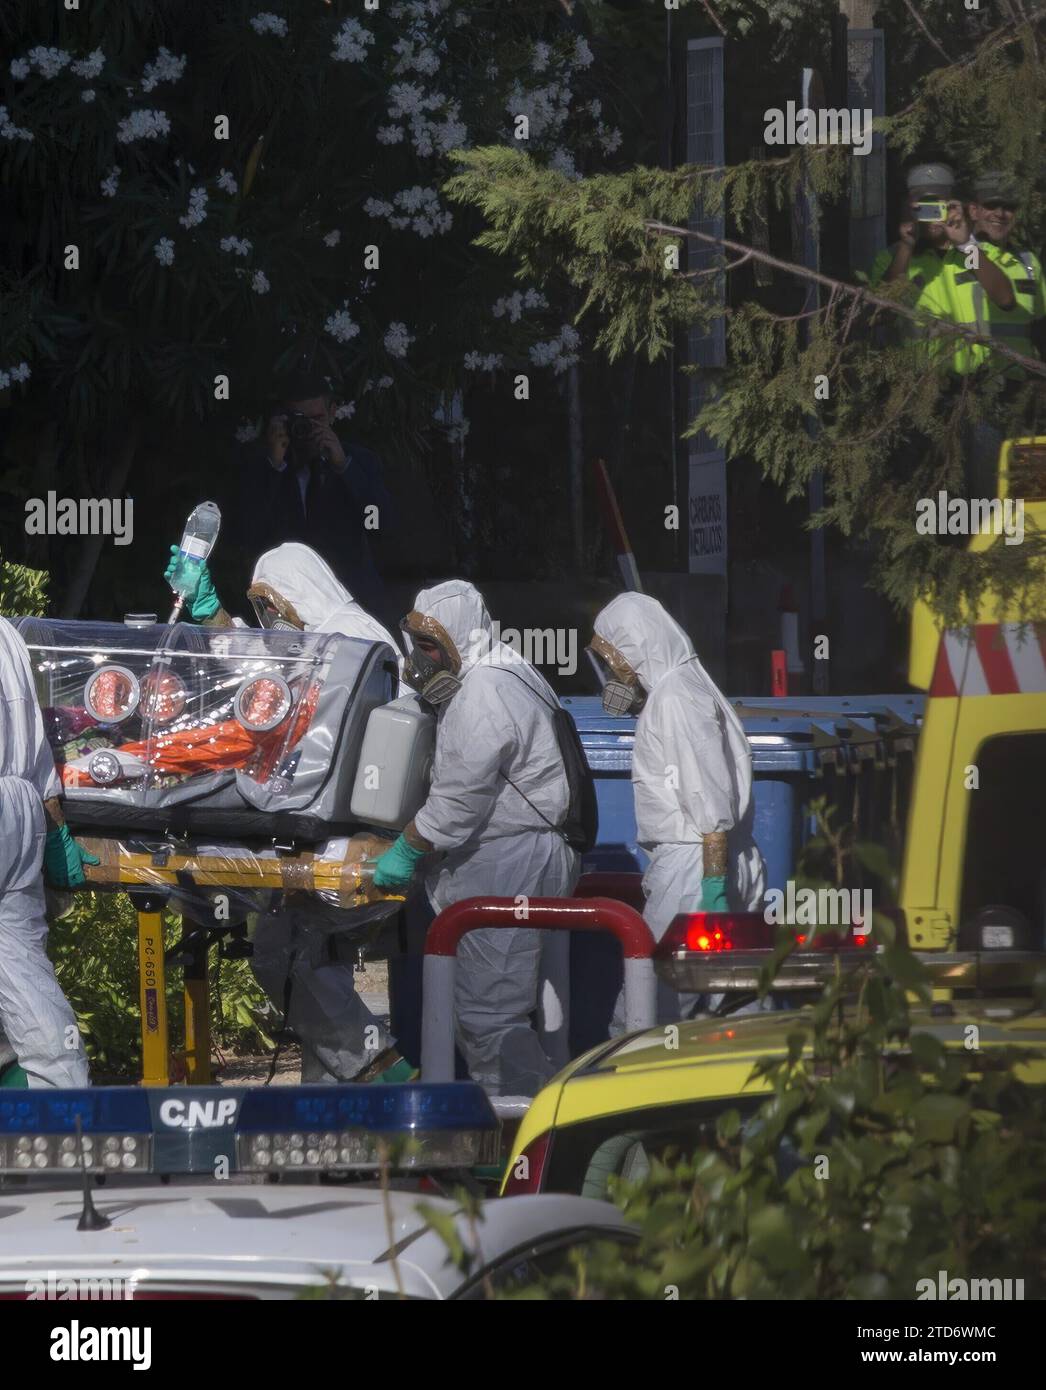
435 680
273 611
622 692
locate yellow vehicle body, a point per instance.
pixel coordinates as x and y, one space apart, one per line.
708 1065
985 682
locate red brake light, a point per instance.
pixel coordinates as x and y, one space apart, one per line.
710 932
528 1167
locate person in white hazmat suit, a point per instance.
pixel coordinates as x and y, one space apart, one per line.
34 1013
293 589
498 796
691 776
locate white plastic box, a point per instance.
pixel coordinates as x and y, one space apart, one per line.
395 764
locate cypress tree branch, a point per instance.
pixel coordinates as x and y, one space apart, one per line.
940 327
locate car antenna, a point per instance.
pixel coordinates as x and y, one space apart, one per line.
91 1219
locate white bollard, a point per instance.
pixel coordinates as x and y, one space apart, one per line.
554 997
437 1018
640 994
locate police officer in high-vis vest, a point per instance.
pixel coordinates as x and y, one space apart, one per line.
969 285
993 212
918 252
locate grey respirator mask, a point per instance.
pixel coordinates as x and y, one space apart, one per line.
434 681
620 695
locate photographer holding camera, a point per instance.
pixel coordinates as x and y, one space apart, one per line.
300 483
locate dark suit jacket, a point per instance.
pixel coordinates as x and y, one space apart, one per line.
331 520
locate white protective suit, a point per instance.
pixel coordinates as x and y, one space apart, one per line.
691 776
35 1014
495 730
339 1034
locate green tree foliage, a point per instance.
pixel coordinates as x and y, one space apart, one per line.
897 424
23 591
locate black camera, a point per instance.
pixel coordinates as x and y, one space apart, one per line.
299 427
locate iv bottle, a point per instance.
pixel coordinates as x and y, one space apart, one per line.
201 531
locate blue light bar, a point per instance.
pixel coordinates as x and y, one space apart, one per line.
387 1110
189 1129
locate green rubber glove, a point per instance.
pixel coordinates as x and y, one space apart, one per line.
203 601
64 860
395 868
713 895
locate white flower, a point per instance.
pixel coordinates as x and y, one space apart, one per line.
491 71
166 68
164 250
397 340
477 362
595 109
384 382
248 430
10 131
332 238
390 134
91 66
609 139
425 61
563 163
560 352
5 381
227 181
142 125
21 373
235 244
583 55
88 94
341 326
350 42
514 304
268 23
539 62
20 69
405 99
457 433
48 62
197 208
260 282
346 411
111 181
375 207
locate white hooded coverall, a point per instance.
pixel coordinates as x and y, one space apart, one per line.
492 732
691 776
339 1034
35 1014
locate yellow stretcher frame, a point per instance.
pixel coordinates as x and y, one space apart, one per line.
139 871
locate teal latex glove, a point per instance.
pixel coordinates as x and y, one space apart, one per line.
64 860
203 601
713 895
395 868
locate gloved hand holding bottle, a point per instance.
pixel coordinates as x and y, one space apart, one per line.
202 599
64 859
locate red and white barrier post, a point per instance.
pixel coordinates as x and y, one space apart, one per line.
545 914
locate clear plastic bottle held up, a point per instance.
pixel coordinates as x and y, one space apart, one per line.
198 538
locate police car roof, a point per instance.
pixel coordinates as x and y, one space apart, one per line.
266 1240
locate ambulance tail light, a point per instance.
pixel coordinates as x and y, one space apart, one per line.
714 932
528 1168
